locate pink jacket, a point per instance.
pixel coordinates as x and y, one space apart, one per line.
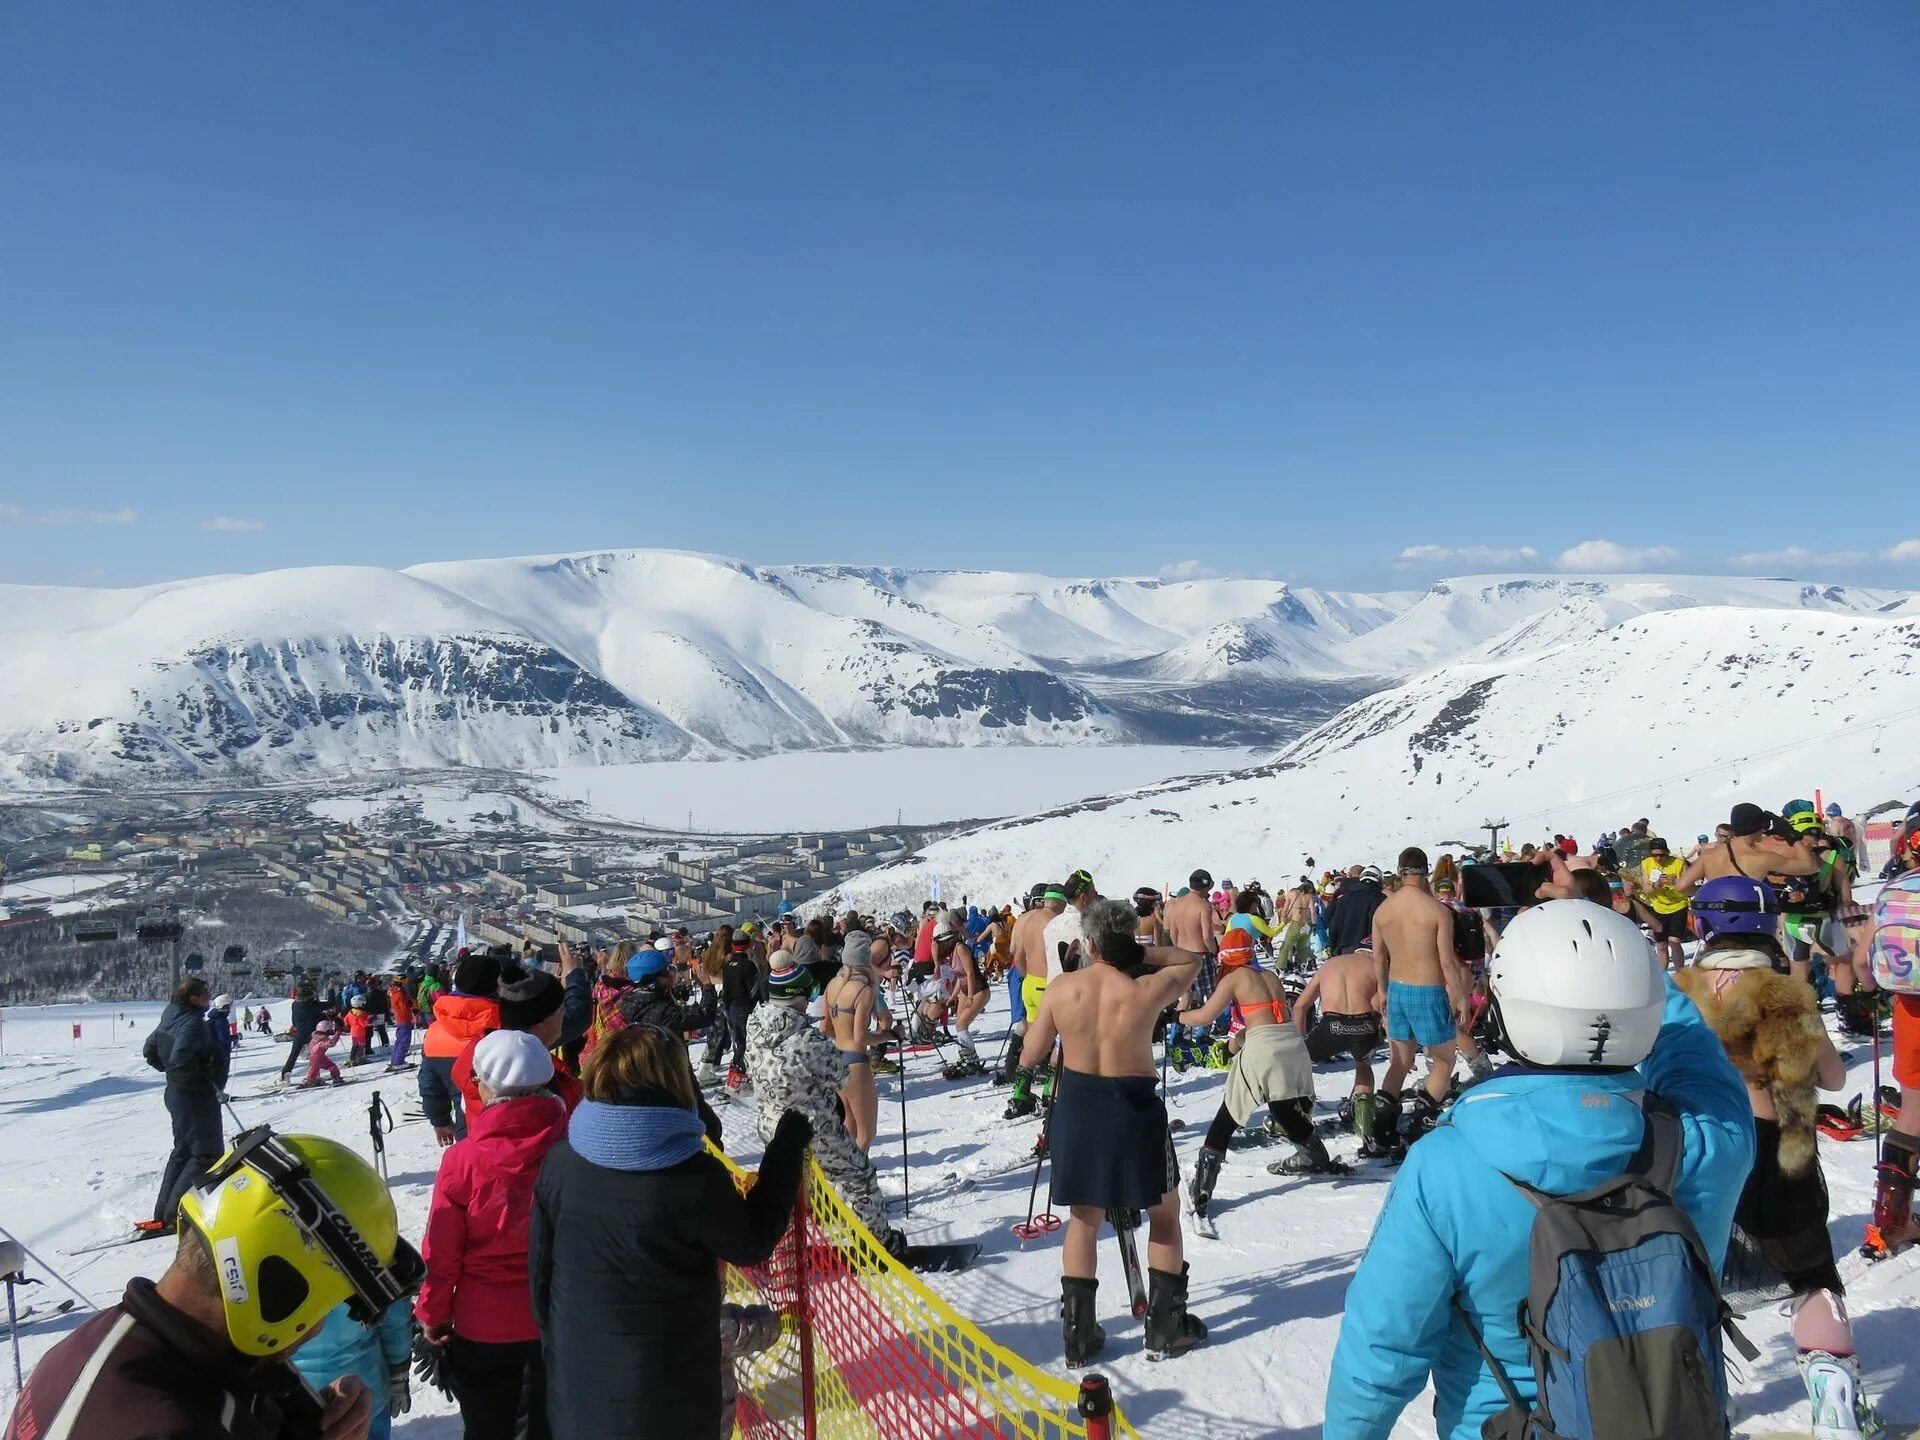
476 1245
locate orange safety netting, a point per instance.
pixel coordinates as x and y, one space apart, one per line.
868 1352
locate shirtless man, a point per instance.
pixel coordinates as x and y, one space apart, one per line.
1029 946
1758 844
1109 1145
848 1022
1422 992
1193 925
1347 989
1295 945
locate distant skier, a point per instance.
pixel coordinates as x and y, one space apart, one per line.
183 1048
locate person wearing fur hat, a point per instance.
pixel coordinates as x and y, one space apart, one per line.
796 1067
476 1300
460 1017
1771 1027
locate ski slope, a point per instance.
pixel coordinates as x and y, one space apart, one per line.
87 1135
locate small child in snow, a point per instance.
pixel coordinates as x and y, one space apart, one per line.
378 1354
360 1028
325 1036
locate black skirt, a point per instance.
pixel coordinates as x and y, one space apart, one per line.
1786 1216
1108 1143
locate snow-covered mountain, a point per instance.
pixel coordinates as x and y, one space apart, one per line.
1673 714
648 654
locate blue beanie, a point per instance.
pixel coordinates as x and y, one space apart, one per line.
647 964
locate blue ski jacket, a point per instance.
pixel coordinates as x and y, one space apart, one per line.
1453 1227
343 1346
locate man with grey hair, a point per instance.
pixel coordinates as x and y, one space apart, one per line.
1109 1143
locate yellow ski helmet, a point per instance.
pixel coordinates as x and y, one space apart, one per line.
297 1224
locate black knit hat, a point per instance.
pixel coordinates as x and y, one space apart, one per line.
477 975
526 1002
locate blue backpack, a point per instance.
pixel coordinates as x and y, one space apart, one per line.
1623 1316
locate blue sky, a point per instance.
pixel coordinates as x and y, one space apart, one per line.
1266 288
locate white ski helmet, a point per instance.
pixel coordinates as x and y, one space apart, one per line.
1576 984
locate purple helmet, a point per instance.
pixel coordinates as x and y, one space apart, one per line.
1735 905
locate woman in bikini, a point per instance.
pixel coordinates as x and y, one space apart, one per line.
848 1022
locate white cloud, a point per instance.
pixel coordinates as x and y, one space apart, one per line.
1188 570
1610 555
1905 552
1795 555
232 523
1426 555
65 515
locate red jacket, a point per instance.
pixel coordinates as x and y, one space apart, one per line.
564 1084
476 1245
401 1003
359 1026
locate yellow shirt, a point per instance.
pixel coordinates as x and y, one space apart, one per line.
1658 884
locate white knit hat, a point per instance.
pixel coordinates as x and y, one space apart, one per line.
512 1062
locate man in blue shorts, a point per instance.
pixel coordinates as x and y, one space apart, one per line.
1424 993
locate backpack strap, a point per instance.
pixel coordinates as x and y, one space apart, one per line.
1658 1158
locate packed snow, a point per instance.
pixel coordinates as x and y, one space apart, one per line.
87 1135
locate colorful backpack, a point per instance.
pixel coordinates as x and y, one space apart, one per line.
1896 935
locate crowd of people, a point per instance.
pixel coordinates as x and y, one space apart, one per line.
1657 1019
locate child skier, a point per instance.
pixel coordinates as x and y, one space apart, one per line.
325 1036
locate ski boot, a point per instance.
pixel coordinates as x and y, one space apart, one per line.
736 1080
1309 1159
965 1068
1841 1410
1383 1139
1178 1055
1171 1330
1479 1068
883 1066
1010 1066
1021 1103
706 1076
1219 1057
1357 1112
1423 1117
1081 1331
1206 1171
1859 1014
1893 1228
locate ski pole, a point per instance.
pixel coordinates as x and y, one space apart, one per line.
906 1166
13 1334
376 1109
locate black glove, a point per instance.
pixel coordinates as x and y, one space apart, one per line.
430 1364
399 1393
794 1131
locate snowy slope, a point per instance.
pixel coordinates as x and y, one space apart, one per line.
1674 715
638 655
87 1137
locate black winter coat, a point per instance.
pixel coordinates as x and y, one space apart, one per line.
626 1288
1352 917
183 1046
647 1002
305 1015
740 980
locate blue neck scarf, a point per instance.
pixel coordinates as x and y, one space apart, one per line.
635 1137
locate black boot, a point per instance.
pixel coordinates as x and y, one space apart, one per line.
1426 1115
1858 1013
1011 1065
1385 1139
1206 1171
1081 1331
1309 1159
1170 1329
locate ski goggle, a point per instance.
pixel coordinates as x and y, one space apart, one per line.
1737 907
376 1284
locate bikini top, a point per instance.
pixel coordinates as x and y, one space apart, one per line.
836 1011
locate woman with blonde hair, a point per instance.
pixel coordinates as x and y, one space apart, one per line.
632 1218
713 964
608 991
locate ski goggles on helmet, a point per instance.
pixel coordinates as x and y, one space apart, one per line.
284 1252
1078 884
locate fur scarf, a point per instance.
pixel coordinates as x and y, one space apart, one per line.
1770 1024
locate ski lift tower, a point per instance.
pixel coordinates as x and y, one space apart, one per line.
1493 829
